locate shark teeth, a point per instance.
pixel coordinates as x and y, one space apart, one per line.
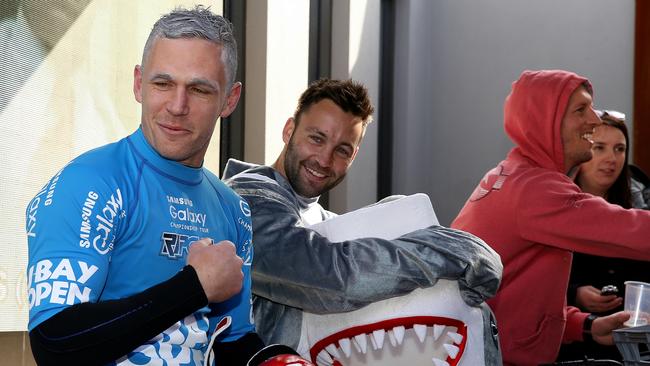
451 343
360 343
452 350
346 346
399 334
324 358
421 331
438 362
391 338
332 350
457 338
377 339
437 331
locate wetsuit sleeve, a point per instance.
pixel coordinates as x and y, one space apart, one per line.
106 330
297 267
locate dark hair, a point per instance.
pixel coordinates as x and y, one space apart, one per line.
351 96
198 22
619 193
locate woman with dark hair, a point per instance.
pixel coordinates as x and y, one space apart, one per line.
607 173
596 284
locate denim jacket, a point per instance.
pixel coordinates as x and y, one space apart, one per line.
296 269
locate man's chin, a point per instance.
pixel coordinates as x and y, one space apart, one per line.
309 191
313 188
582 157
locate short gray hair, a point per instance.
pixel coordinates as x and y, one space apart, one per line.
201 23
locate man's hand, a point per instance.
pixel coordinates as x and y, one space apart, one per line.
602 327
588 298
218 267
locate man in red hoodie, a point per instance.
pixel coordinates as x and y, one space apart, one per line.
530 211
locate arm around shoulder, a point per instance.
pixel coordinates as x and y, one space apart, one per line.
298 267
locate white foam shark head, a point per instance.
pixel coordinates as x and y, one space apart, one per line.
431 326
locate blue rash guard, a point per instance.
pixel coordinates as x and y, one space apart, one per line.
118 220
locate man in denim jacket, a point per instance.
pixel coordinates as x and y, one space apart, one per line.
296 269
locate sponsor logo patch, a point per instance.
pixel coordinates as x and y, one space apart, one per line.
492 181
180 201
60 283
103 241
86 215
32 211
187 215
176 246
245 209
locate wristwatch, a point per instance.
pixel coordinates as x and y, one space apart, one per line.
586 327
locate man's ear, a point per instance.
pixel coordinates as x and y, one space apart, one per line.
137 83
287 131
232 100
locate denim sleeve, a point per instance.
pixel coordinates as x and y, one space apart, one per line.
297 267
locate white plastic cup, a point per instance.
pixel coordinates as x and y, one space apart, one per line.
637 303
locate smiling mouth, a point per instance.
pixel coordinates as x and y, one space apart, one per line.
445 339
318 174
315 173
588 136
172 130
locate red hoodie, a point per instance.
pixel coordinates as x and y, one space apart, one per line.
534 216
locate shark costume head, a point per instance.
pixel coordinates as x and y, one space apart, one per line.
428 326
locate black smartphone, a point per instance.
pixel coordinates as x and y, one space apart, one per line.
609 290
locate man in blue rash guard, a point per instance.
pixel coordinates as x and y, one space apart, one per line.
122 267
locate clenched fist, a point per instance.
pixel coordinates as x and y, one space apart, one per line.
218 267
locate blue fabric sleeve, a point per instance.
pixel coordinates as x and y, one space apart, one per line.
72 224
240 307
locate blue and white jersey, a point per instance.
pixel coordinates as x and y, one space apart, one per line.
118 220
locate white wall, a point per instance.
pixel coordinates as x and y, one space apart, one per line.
355 55
455 61
277 55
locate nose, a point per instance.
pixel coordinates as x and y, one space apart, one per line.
593 118
178 105
324 157
610 155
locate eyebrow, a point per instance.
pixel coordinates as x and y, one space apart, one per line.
192 82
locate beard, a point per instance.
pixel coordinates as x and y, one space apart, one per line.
582 157
302 186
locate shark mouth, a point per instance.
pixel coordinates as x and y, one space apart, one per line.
428 326
444 347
